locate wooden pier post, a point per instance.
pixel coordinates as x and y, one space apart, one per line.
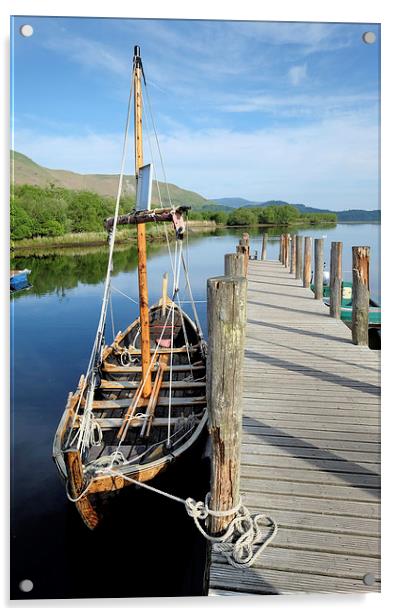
245 241
226 315
318 268
287 249
293 254
283 248
298 257
335 282
307 269
280 252
234 264
264 247
243 250
360 294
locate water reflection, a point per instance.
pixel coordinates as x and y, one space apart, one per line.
53 327
58 270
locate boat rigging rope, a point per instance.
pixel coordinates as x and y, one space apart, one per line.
88 427
89 433
177 269
193 304
154 167
111 317
125 295
149 141
185 265
158 143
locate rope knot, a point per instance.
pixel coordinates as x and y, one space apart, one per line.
196 509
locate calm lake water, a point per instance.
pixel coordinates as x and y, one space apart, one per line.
53 325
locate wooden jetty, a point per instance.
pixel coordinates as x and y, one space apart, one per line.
310 445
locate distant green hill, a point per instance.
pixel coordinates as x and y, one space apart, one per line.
232 202
26 171
342 216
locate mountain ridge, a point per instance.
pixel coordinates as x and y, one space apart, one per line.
26 171
342 215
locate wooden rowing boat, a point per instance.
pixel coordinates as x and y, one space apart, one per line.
142 402
145 447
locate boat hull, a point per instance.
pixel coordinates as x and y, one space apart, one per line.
147 450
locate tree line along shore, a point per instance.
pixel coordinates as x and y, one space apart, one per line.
58 216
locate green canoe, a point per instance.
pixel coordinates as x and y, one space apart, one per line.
374 316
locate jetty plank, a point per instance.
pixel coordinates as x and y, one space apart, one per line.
310 444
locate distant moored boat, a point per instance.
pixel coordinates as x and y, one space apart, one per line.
346 309
19 279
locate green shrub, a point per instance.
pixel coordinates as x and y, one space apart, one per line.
242 216
54 211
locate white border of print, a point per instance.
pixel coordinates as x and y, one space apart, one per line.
283 10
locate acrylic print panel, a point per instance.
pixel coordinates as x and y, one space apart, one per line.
262 128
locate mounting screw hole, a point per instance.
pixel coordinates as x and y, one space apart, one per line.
26 585
369 579
26 30
369 38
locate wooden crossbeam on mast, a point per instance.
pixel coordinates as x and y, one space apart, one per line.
141 233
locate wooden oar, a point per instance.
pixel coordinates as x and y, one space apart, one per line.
151 407
137 402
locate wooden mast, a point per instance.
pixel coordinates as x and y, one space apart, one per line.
141 232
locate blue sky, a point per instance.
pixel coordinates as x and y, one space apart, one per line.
259 110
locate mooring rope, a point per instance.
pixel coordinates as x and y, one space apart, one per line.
237 544
243 534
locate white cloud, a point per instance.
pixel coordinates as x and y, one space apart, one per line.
88 53
318 165
297 74
301 104
212 51
305 37
327 164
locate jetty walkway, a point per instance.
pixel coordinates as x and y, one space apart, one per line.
310 445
